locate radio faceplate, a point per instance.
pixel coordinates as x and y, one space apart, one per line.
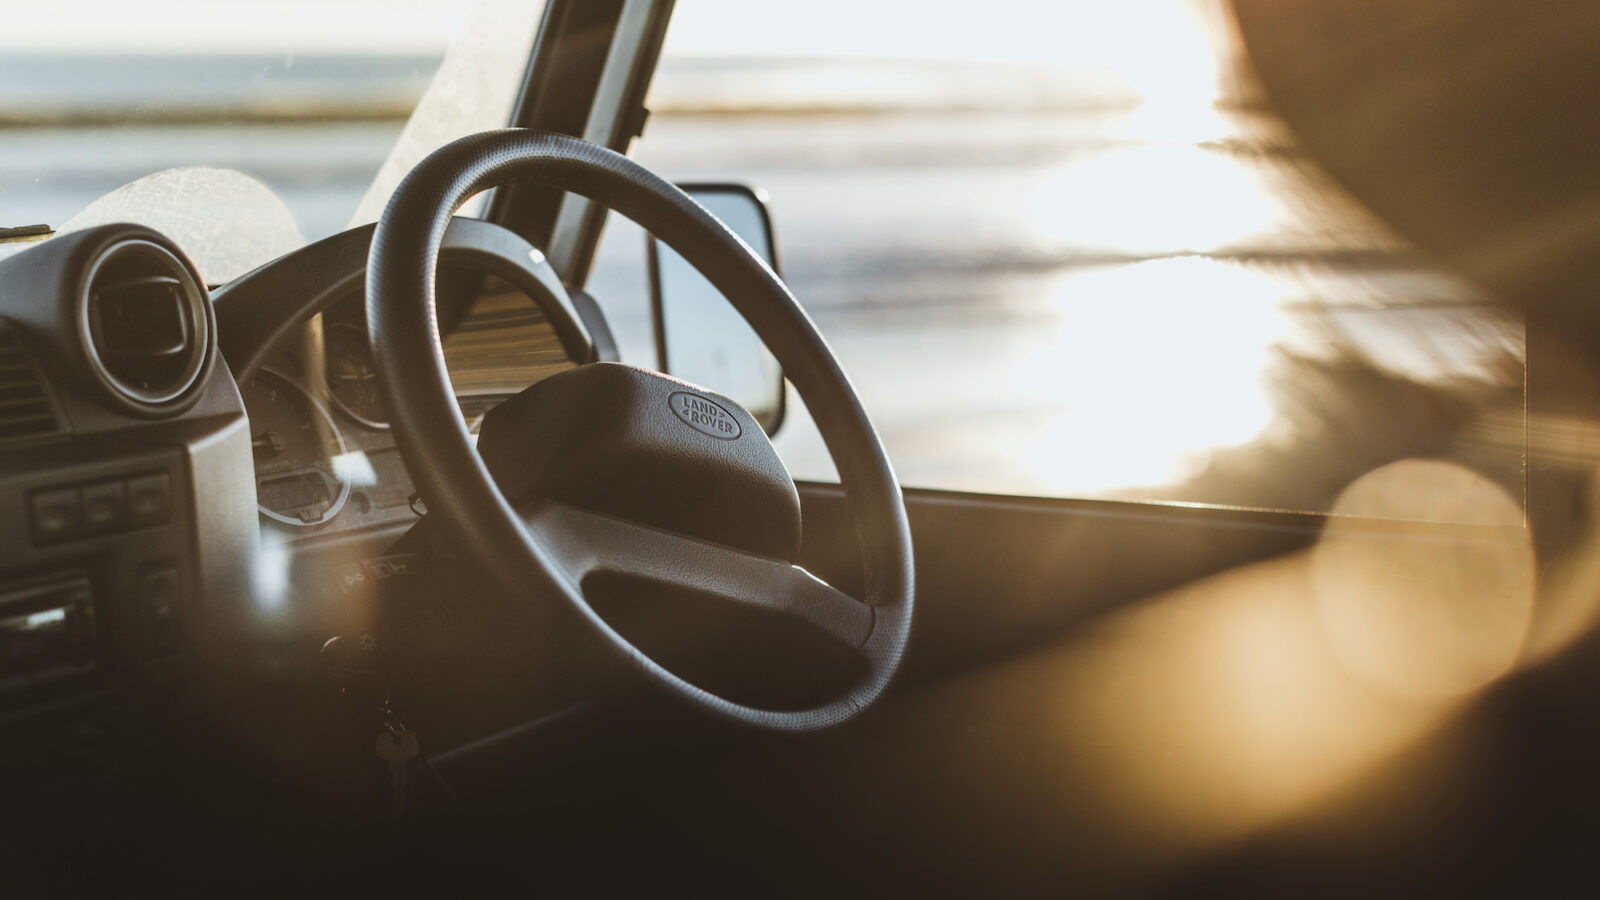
47 631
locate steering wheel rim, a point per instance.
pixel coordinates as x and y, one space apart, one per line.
434 441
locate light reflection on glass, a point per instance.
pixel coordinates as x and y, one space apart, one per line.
353 468
47 617
271 592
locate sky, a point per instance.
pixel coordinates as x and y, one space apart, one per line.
1159 49
1143 37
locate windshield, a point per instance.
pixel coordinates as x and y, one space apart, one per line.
132 111
1063 249
1067 250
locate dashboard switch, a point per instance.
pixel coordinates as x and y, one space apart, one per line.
149 500
105 507
46 631
158 602
57 515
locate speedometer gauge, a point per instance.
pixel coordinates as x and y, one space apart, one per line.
294 442
352 378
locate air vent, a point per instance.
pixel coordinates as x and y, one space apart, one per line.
25 411
146 325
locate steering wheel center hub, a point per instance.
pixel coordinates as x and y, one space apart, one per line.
705 415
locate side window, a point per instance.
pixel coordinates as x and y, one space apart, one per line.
1065 250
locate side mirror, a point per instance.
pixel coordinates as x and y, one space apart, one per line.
700 337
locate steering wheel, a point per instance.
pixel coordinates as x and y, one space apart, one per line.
544 546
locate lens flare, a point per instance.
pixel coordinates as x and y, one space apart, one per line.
1220 708
1210 712
1419 612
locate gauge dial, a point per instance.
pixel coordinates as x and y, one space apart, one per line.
294 441
352 378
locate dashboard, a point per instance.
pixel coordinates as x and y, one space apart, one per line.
182 467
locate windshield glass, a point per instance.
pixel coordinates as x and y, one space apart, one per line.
1067 249
238 129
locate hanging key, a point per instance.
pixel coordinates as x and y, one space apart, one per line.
398 748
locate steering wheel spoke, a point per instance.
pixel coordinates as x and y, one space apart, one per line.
586 543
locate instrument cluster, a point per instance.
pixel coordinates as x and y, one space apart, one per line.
319 430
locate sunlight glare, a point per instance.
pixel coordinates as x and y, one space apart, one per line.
1175 67
1140 378
1245 698
1155 199
1219 709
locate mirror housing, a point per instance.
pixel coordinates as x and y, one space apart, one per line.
700 337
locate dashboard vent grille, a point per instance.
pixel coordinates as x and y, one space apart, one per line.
147 327
25 410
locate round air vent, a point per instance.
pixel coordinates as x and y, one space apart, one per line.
146 326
